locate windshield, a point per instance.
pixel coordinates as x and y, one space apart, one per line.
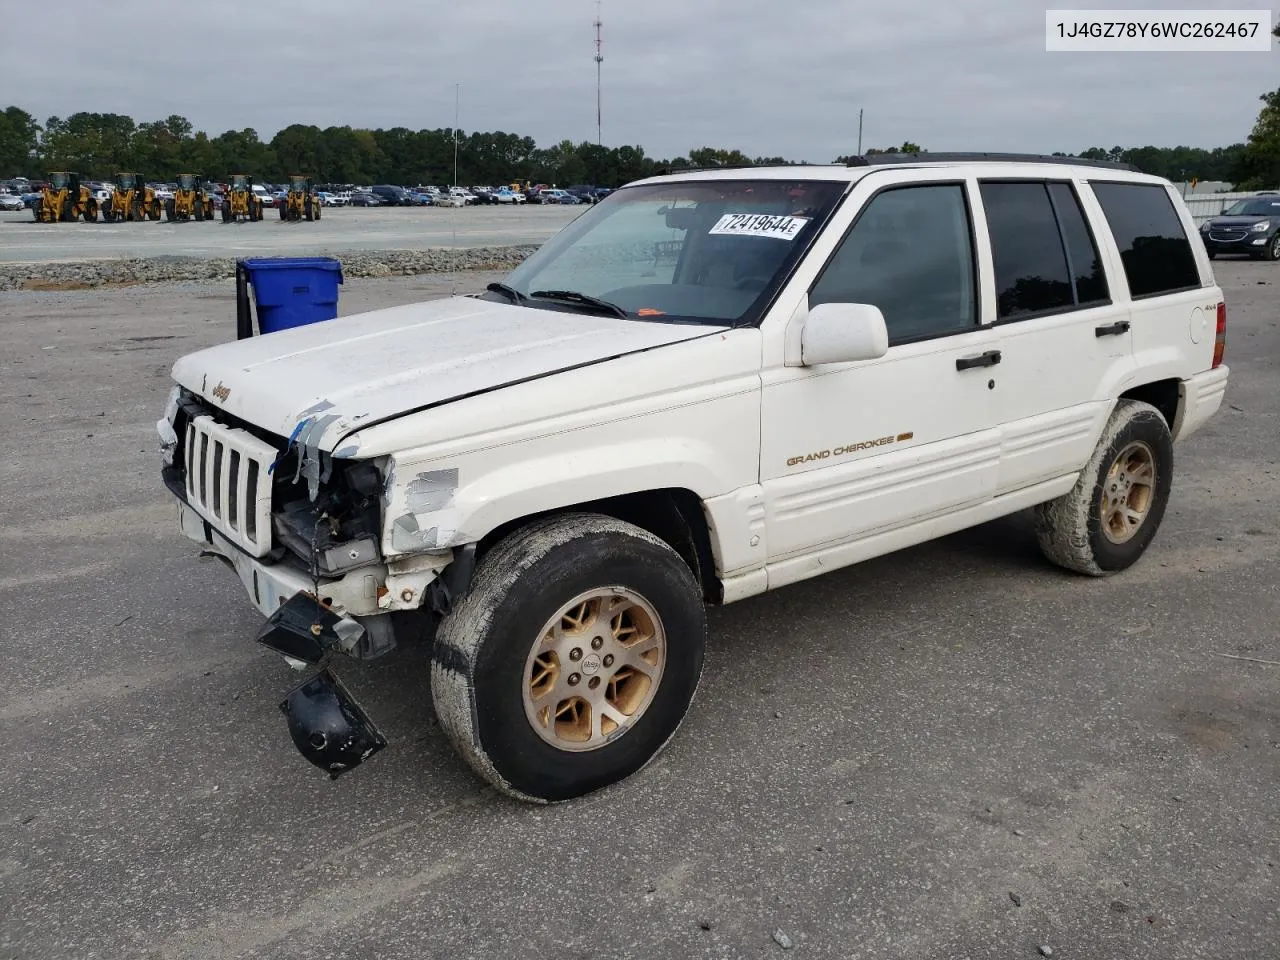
187 181
59 181
697 251
239 183
1254 207
126 181
298 184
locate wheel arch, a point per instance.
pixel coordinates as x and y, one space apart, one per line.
1164 395
673 514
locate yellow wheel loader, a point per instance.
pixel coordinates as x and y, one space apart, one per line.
190 201
131 199
301 202
65 198
240 202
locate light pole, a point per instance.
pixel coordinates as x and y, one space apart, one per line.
457 109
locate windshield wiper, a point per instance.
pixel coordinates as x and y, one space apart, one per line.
511 293
582 300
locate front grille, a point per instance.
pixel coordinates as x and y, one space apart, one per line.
1227 236
228 482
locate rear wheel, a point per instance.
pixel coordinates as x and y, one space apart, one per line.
1111 515
306 209
37 210
91 211
226 211
572 660
170 210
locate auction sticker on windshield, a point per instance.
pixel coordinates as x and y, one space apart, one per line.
759 225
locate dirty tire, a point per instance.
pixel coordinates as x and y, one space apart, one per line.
479 659
1070 527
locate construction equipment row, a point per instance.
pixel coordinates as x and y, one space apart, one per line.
65 198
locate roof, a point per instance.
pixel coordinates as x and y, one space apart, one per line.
998 164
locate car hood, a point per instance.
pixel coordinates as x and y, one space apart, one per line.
326 380
1241 221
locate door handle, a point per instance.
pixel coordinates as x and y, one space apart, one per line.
988 359
1112 329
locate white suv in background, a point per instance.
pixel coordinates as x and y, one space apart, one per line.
715 384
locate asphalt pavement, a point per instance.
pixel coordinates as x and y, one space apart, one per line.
340 229
957 751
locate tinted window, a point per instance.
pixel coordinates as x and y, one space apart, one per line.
1082 251
910 253
1031 265
1153 246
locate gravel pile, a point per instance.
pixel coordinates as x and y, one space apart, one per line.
378 263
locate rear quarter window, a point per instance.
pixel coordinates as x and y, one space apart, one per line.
1153 245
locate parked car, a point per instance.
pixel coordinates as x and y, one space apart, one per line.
584 192
449 200
11 201
1250 226
569 198
262 193
483 195
361 199
328 199
507 195
842 312
553 195
392 196
29 200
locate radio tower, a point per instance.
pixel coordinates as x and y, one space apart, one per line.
599 25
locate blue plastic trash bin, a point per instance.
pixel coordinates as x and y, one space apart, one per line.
292 291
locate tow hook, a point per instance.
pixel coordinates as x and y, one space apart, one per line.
329 727
326 723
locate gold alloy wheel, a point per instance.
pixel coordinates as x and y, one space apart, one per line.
594 669
1128 492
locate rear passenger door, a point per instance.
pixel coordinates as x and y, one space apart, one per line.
1065 342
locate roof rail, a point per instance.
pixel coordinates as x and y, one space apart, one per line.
879 159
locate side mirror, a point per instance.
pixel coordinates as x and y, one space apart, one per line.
843 333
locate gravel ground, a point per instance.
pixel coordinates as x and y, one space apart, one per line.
73 275
956 751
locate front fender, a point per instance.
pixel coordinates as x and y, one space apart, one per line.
434 502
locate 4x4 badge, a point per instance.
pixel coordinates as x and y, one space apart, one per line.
221 392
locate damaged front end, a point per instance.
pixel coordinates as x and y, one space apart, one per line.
302 529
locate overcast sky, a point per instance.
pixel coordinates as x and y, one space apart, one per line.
768 77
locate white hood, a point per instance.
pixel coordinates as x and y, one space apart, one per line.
353 371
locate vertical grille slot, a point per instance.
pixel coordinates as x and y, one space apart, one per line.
217 480
204 471
234 499
251 515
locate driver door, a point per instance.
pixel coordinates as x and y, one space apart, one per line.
853 451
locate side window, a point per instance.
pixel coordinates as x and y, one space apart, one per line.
1031 265
910 253
1087 275
1153 246
1045 257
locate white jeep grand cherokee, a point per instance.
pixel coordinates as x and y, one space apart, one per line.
709 385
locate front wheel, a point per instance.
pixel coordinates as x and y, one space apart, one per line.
1111 515
1273 248
170 210
572 660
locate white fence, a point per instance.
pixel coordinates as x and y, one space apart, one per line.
1204 206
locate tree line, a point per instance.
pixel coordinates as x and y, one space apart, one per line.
101 144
